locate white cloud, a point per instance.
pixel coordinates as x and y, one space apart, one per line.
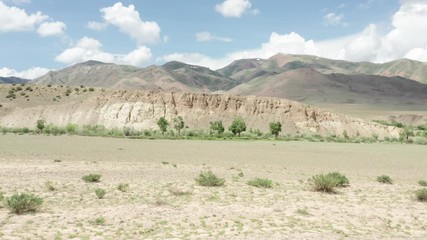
31 73
13 19
333 19
209 37
127 19
406 39
97 26
51 28
419 54
90 49
233 8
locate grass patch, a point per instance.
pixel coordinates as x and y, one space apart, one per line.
92 178
23 203
209 179
384 179
49 186
260 183
100 193
98 221
421 195
123 187
422 183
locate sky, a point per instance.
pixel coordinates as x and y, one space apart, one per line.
41 35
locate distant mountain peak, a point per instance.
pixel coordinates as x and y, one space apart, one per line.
91 63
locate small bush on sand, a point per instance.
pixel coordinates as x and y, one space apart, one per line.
23 203
100 193
91 177
384 179
123 187
422 183
261 183
342 181
49 186
323 183
209 179
98 221
421 195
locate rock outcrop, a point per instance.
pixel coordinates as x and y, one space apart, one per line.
141 110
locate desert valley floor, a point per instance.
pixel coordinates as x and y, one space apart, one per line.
163 200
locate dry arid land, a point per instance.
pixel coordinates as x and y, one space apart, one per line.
163 200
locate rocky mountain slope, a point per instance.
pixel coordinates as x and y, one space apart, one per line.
173 76
141 110
11 80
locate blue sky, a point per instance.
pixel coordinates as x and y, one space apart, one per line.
38 35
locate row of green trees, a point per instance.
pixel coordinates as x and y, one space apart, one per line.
237 126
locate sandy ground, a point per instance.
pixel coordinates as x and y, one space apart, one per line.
163 200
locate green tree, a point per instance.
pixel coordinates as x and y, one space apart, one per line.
163 124
237 126
217 126
40 124
178 124
275 128
406 133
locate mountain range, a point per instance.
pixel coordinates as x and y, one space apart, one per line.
304 78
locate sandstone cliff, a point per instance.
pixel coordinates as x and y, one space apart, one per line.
141 110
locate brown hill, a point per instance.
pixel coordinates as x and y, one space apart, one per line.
173 76
141 110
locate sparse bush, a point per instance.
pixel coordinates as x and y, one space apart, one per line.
23 203
384 179
92 178
261 183
49 186
422 183
71 128
100 193
91 89
98 221
178 124
209 179
217 127
123 187
1 200
341 180
421 195
323 183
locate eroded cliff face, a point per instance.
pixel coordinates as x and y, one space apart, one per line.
141 110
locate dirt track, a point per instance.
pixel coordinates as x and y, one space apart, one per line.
156 169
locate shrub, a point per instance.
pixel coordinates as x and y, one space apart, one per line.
40 124
217 127
384 179
71 128
342 180
261 183
49 186
100 193
421 195
423 183
275 128
323 183
91 177
209 179
91 89
124 187
98 221
23 203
